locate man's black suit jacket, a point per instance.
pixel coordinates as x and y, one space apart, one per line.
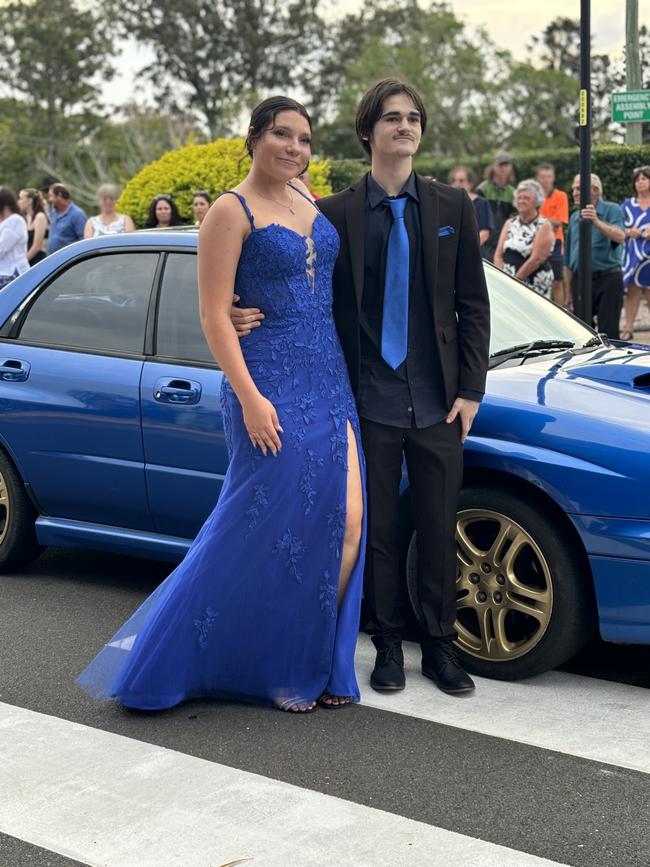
453 275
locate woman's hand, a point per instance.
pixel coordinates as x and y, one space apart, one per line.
634 233
262 424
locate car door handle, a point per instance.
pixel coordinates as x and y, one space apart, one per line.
185 391
13 370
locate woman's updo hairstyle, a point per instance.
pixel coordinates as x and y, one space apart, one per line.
264 115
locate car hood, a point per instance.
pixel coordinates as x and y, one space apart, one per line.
619 377
579 423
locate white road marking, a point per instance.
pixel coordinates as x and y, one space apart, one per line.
568 713
110 801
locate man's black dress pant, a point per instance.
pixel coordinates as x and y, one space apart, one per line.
607 300
434 458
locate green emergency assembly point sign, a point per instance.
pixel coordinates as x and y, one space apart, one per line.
631 107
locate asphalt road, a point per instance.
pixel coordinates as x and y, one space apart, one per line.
554 804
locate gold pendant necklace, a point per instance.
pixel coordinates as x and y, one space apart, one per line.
289 207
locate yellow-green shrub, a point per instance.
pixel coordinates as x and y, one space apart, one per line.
319 174
217 166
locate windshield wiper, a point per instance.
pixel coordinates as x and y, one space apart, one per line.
523 350
596 340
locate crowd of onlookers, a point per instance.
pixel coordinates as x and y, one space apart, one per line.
526 230
40 222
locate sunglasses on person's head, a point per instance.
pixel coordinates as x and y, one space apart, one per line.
641 169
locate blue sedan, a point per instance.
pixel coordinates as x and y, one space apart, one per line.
111 438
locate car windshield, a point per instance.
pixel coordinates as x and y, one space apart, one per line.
520 316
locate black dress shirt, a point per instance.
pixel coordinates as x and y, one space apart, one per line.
413 394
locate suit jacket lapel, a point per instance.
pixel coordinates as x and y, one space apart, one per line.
430 220
355 205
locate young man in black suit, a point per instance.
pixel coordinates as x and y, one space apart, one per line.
412 312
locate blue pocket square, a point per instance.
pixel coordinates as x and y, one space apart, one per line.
446 230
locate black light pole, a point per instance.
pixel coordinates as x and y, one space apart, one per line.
583 299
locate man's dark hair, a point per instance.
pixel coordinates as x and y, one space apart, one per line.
8 200
47 182
264 115
60 190
544 167
372 103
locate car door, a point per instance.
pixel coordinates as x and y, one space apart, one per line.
70 389
184 445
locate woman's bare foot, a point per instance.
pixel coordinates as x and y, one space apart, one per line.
293 705
332 702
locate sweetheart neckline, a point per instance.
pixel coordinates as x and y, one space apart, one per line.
309 237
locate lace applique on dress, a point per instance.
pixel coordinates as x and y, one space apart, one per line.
203 626
294 549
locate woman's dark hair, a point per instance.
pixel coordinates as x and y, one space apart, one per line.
35 197
372 102
470 174
264 115
8 200
152 219
642 170
202 194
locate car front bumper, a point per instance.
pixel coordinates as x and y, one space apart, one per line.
619 556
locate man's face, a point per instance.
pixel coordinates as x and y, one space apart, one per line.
460 180
546 177
502 173
57 201
575 189
398 130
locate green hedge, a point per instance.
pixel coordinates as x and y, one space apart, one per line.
215 167
221 164
613 163
342 173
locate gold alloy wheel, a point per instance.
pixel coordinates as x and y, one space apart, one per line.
5 509
504 587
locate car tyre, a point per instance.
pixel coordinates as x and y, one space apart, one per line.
18 545
525 595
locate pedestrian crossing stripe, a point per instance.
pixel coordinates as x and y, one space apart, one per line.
567 713
111 801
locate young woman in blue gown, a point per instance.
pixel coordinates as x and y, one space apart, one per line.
265 606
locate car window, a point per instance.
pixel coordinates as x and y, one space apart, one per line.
179 333
99 303
520 315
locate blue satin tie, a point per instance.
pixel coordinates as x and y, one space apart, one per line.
395 322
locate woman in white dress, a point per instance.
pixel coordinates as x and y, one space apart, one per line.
13 238
108 221
526 241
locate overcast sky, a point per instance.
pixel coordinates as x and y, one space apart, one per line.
510 23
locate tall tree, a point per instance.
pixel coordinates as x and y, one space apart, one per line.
456 71
214 57
55 56
538 108
558 48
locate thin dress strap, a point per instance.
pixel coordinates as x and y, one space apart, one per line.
304 195
244 205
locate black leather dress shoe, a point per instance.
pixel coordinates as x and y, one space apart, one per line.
388 674
440 663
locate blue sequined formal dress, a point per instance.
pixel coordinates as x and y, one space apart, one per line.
251 612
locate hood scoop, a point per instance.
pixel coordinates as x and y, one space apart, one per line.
626 375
